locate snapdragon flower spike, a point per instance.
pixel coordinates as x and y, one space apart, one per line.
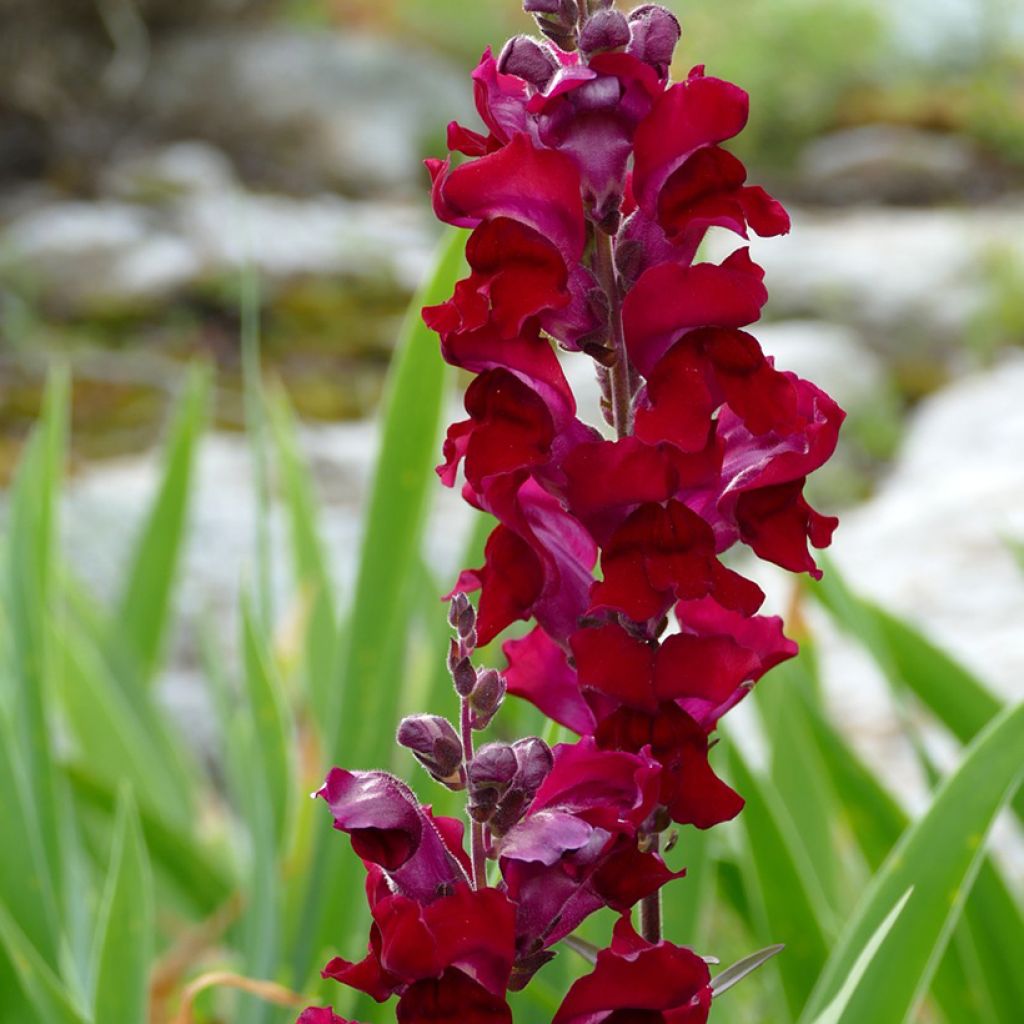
587 191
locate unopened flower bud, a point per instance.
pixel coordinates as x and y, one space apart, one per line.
528 59
486 698
604 30
436 745
654 32
492 769
461 669
462 618
535 760
494 765
543 6
556 19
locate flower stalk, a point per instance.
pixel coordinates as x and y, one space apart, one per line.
587 194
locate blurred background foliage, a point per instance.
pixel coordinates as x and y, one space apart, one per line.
221 554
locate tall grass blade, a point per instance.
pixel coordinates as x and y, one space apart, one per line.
938 856
146 603
124 935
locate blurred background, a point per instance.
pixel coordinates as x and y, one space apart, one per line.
170 168
199 179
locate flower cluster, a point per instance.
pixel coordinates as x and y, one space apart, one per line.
588 196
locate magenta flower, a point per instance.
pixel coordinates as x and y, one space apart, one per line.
587 191
640 982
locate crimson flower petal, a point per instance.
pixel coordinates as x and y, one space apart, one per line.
640 983
539 672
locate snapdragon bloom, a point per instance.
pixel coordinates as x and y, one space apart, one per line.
587 191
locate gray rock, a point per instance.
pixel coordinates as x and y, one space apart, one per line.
907 278
308 111
882 163
180 169
84 255
181 218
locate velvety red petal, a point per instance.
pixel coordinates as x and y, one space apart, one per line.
690 790
777 523
617 665
606 788
649 984
669 300
389 827
678 402
452 997
537 187
690 115
539 672
321 1015
510 580
660 553
366 975
473 930
606 480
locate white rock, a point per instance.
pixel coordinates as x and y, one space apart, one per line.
899 271
181 168
83 253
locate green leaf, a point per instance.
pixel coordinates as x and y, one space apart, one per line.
833 1013
43 988
735 973
113 735
938 857
124 933
272 737
960 700
797 772
394 525
199 876
145 606
795 912
992 923
30 560
309 559
26 888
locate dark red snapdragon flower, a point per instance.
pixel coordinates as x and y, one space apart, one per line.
587 192
639 982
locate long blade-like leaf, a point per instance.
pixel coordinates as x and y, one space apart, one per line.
124 935
938 857
145 606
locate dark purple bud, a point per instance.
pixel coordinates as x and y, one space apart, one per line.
436 745
654 33
486 698
535 760
462 618
489 774
529 60
493 766
556 19
604 30
461 669
543 6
